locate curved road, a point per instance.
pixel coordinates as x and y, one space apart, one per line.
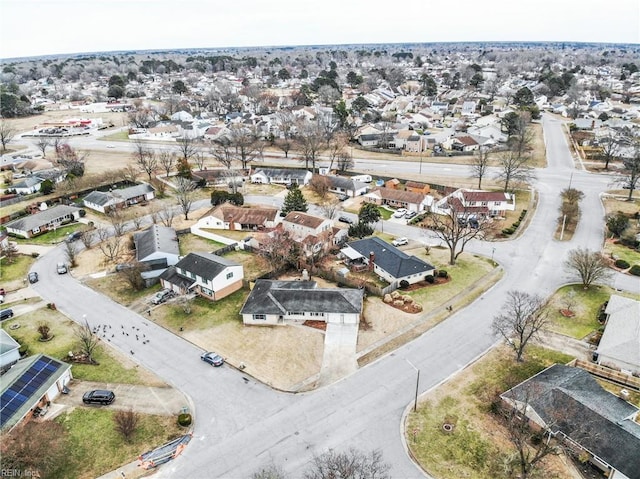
243 426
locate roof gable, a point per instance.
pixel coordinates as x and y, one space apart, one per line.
389 258
205 265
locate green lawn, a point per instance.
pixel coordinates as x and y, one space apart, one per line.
619 251
467 271
95 448
471 451
110 369
204 314
16 270
585 305
385 213
52 237
119 136
115 287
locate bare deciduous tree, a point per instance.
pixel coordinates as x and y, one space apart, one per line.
609 148
145 158
9 252
330 208
243 141
71 252
7 132
88 340
456 228
285 125
42 144
522 317
166 215
514 168
589 266
187 148
222 152
199 159
167 160
480 165
280 250
311 142
129 173
110 246
320 186
118 222
184 193
36 447
353 464
631 170
126 423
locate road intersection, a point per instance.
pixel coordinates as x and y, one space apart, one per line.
242 426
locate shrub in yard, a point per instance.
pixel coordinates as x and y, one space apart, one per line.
184 419
404 284
443 274
635 270
515 225
622 264
430 279
507 231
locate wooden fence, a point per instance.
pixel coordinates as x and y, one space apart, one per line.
609 374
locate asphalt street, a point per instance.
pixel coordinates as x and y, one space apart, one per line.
242 426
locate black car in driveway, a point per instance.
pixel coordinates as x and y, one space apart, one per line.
212 358
98 396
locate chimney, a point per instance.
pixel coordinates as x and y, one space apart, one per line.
372 260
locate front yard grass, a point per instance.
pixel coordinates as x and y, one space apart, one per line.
584 304
115 287
478 446
95 448
204 313
620 251
52 237
111 368
17 270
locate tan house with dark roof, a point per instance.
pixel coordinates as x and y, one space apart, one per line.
314 233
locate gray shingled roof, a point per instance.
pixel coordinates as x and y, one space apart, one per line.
99 198
205 265
156 238
288 173
133 191
621 337
280 297
30 222
570 400
389 258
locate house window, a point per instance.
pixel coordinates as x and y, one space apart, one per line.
317 314
294 313
484 203
206 291
230 275
260 317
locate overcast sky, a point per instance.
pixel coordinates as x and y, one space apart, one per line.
42 27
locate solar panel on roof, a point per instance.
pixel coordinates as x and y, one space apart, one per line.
26 386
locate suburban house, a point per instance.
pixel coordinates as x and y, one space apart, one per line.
344 185
399 199
387 261
43 221
9 351
477 202
281 176
105 201
281 302
27 185
619 347
31 383
248 217
205 274
157 248
312 232
568 404
220 176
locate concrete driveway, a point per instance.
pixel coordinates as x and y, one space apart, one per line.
339 358
165 401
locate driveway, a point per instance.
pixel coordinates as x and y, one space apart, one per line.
339 358
164 401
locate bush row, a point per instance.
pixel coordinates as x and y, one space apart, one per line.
512 229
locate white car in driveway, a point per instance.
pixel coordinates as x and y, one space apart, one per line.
400 242
400 212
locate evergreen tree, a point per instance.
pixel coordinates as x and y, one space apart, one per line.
294 201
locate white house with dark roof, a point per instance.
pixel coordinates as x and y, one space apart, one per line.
281 176
387 261
31 383
104 201
282 302
410 200
568 404
157 248
9 351
619 346
246 217
205 274
345 185
476 202
43 221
